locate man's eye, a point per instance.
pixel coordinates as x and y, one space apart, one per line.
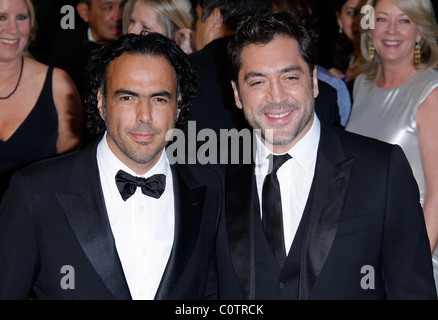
160 100
255 83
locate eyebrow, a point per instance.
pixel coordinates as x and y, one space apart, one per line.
282 71
163 93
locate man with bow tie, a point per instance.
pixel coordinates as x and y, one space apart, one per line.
117 215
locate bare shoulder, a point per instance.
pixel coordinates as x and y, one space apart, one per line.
430 104
428 111
62 80
35 70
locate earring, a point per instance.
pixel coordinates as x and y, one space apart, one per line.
417 53
341 29
371 50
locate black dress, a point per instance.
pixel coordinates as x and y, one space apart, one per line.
35 138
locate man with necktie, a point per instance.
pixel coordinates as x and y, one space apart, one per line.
116 220
319 213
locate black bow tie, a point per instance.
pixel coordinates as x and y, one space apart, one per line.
152 186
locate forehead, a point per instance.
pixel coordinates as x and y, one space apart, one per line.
95 4
16 5
282 52
141 70
388 6
352 4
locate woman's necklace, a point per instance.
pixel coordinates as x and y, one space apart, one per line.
19 79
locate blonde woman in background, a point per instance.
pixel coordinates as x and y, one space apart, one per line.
172 18
40 107
396 98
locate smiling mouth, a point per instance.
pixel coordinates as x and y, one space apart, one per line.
7 41
278 116
392 43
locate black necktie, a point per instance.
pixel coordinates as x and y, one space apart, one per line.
152 186
272 216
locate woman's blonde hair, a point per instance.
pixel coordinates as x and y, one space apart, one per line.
174 14
33 25
421 12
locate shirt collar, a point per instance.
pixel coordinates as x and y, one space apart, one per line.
303 152
90 35
109 165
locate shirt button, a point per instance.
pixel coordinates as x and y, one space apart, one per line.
282 285
144 251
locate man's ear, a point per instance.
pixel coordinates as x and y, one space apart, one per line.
100 104
178 107
236 95
83 10
315 82
217 22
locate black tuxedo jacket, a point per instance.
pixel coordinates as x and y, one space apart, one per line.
54 215
71 51
363 210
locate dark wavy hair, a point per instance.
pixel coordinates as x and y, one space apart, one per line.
145 44
262 29
233 11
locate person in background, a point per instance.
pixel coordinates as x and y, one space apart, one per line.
302 11
216 23
346 55
173 18
40 107
117 213
396 97
72 49
317 208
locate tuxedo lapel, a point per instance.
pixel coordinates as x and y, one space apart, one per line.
326 199
84 207
189 202
239 183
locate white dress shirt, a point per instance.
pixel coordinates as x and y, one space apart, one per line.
90 36
295 177
143 227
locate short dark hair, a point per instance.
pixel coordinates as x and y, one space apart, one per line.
145 44
88 2
262 29
233 11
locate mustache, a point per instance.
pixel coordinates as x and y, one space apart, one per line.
144 128
283 106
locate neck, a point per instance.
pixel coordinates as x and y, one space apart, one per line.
137 167
223 32
394 75
9 70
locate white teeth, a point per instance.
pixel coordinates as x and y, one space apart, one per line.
278 115
9 41
392 43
